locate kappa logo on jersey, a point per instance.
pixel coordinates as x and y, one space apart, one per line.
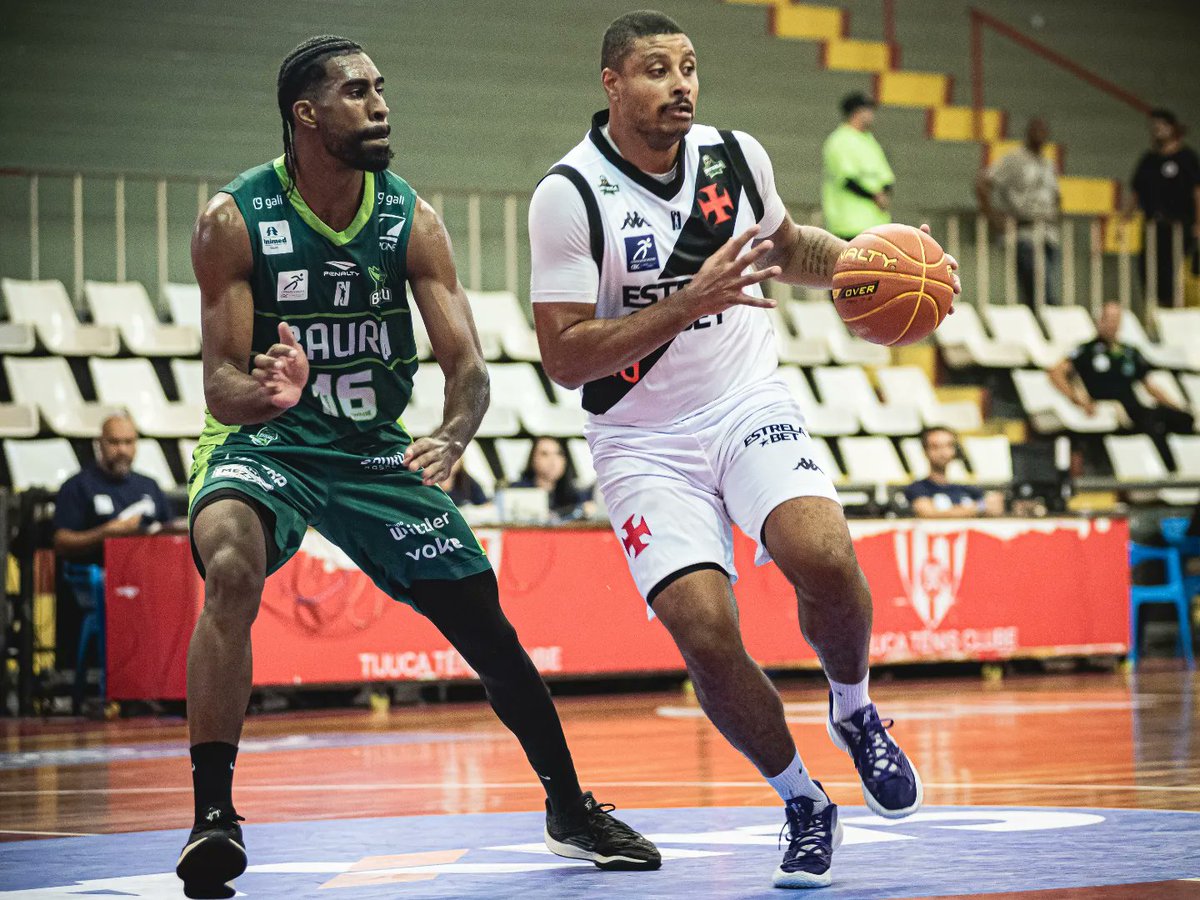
633 220
641 253
341 269
807 465
391 237
635 536
292 285
715 203
276 237
773 434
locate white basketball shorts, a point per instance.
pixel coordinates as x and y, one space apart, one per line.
673 493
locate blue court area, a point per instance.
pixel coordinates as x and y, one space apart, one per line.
709 853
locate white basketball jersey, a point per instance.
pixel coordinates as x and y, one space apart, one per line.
634 240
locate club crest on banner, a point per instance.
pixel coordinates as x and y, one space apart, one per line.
931 569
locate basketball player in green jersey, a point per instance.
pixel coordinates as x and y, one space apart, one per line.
308 362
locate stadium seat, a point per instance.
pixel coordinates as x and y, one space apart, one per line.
500 320
513 454
45 306
917 462
964 343
1049 412
44 463
1186 450
18 420
794 349
477 466
133 383
823 457
908 385
1068 326
848 386
990 457
1166 383
183 302
125 306
47 383
1191 388
1135 458
1180 330
1163 356
1017 324
429 397
818 320
581 462
872 460
189 380
516 386
152 462
17 337
187 447
822 418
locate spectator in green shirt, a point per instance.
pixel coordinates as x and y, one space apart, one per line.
857 187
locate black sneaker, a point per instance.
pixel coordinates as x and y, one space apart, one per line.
812 837
214 855
891 785
605 840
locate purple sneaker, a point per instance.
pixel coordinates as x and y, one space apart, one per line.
891 785
812 837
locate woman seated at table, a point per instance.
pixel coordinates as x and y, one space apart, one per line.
549 470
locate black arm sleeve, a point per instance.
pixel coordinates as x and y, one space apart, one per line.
855 188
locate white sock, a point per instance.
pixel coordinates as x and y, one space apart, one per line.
794 781
848 698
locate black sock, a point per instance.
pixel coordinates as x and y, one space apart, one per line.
212 775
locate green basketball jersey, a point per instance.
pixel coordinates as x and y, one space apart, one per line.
342 293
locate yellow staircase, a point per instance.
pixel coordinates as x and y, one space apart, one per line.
933 91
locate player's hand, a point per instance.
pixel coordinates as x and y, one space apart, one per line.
722 280
953 269
882 200
122 527
282 370
433 457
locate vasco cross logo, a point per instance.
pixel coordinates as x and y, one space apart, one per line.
715 205
635 535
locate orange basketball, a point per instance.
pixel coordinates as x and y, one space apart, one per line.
893 285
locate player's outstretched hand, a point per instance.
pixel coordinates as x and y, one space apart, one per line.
953 268
283 369
433 457
722 280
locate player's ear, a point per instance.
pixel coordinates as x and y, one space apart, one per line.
304 114
609 78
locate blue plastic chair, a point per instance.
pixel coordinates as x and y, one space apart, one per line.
1174 531
88 584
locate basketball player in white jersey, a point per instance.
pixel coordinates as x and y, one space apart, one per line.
649 241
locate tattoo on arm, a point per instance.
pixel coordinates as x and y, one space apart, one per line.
817 254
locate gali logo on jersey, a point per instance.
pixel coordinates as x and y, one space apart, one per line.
388 239
276 237
293 285
641 253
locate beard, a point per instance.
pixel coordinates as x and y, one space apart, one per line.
359 152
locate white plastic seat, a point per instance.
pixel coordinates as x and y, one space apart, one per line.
189 380
1068 327
1135 458
45 463
1015 323
963 343
429 398
872 460
477 466
126 307
910 385
187 447
1163 356
1186 450
499 317
516 386
47 383
793 348
848 386
1050 412
18 420
17 337
1166 383
917 462
822 418
183 302
818 320
45 306
133 384
1191 387
1180 329
990 457
581 462
513 454
152 462
823 457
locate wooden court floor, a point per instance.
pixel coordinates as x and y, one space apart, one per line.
1094 740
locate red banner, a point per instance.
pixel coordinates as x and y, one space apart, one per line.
944 590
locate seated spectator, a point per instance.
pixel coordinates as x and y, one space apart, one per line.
1108 370
547 469
935 497
462 488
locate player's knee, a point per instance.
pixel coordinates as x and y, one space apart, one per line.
233 585
712 646
832 573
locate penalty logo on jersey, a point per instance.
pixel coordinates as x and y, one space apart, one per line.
641 253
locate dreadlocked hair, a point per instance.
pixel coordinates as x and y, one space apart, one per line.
301 69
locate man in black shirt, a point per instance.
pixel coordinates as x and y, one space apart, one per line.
1108 370
107 498
1166 187
936 497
